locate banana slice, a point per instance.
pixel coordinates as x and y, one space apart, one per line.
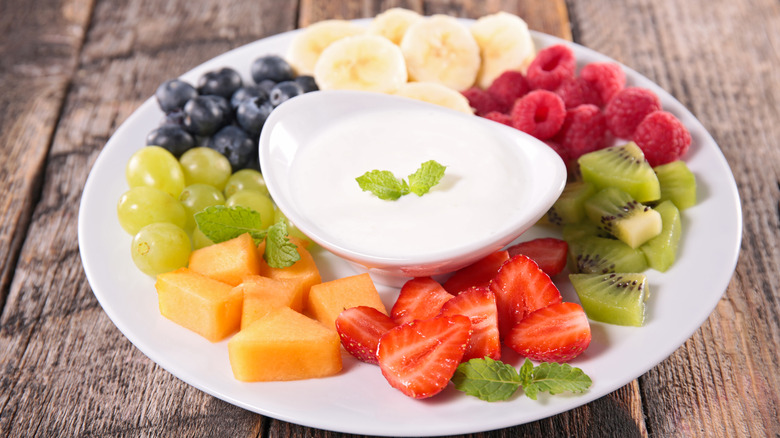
504 43
307 46
441 49
363 62
393 23
436 93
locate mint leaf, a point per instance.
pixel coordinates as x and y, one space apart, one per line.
220 223
279 251
487 379
383 184
428 175
556 378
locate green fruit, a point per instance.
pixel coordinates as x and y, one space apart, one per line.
202 165
141 206
257 202
612 298
597 255
197 197
159 248
568 209
617 213
661 250
246 179
623 167
153 166
678 184
572 232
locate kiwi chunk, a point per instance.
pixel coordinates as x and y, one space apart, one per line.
678 184
572 232
612 298
568 209
661 250
623 167
598 255
617 213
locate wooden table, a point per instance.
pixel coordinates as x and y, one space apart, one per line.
72 70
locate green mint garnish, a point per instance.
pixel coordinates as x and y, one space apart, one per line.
387 186
492 380
220 223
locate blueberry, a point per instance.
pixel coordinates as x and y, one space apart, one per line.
252 114
204 115
223 82
284 91
224 104
235 145
266 85
307 83
271 67
173 94
174 118
246 93
171 137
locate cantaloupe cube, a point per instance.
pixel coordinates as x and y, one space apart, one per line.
228 261
304 273
284 345
204 305
263 294
327 300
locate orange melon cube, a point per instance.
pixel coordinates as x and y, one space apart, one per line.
327 300
206 306
284 345
304 273
262 294
229 261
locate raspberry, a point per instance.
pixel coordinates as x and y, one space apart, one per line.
576 92
607 77
539 113
481 101
584 130
499 117
662 137
627 109
507 88
551 67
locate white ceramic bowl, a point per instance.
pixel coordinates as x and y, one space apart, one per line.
535 172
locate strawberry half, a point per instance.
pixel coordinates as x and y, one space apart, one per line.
521 288
549 253
556 333
360 328
420 298
477 274
479 305
420 357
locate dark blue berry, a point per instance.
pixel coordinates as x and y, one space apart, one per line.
204 115
171 137
267 85
174 118
307 83
284 91
224 104
272 67
223 82
235 145
252 114
173 94
246 93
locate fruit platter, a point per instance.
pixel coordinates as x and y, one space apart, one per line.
676 296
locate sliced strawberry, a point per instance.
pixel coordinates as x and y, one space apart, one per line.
360 329
479 304
520 288
549 253
420 357
477 274
420 298
556 333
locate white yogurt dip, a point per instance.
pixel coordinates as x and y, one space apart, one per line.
482 188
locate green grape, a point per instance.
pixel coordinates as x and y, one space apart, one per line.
292 230
141 206
160 247
245 179
154 166
196 197
205 166
199 240
256 201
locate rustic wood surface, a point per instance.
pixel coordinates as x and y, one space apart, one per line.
72 70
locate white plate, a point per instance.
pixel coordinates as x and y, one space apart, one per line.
358 400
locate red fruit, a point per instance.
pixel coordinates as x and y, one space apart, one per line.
521 288
551 67
584 130
549 253
662 137
556 333
628 108
606 77
360 329
540 113
481 101
420 298
576 92
477 274
420 357
499 117
507 88
479 305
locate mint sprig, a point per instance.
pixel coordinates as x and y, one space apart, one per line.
493 380
384 185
